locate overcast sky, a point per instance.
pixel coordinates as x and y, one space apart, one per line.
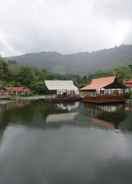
64 26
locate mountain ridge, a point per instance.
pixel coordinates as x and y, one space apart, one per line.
77 63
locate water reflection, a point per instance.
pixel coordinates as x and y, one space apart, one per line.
68 155
107 114
40 114
62 143
68 107
63 117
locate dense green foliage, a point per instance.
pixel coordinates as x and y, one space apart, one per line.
17 75
122 72
4 72
14 75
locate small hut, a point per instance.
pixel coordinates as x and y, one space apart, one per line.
104 90
19 90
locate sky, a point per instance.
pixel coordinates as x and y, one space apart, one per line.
65 26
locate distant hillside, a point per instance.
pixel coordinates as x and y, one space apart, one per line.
81 63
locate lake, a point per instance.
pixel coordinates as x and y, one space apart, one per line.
65 143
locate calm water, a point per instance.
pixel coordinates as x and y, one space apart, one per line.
65 143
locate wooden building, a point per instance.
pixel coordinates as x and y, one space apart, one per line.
62 91
61 87
104 90
18 90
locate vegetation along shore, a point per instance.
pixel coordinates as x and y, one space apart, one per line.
30 78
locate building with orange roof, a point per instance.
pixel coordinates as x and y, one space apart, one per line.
103 90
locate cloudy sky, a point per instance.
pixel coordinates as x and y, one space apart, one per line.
64 26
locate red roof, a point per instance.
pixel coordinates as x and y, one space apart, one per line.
128 83
18 89
99 83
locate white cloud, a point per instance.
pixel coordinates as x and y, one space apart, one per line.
63 25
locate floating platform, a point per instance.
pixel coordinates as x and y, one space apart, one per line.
51 98
63 99
104 99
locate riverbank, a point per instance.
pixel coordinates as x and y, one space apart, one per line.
37 97
50 98
44 98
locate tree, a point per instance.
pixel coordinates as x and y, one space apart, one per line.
25 76
130 66
4 71
123 72
39 87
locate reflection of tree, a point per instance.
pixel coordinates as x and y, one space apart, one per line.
34 114
29 114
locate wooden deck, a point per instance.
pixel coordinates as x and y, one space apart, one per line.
63 99
105 99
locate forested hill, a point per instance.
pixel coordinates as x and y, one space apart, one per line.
79 63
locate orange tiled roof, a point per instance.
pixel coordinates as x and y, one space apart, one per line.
99 83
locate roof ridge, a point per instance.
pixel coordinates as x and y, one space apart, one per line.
100 82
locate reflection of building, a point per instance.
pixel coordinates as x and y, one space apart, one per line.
68 107
62 117
110 108
7 105
22 103
104 90
107 114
